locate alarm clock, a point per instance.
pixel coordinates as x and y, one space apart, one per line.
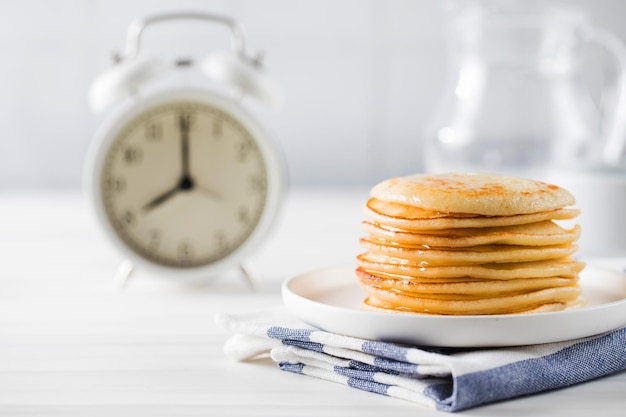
184 181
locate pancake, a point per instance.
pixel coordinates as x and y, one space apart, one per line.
564 267
468 244
472 193
534 234
559 297
474 255
461 289
377 211
479 307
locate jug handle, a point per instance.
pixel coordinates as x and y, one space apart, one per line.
615 141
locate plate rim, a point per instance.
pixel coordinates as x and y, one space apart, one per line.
300 305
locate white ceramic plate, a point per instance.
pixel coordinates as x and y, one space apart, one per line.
330 300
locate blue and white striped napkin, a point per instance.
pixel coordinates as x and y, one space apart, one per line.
445 379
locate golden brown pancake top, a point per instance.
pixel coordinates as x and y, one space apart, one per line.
473 193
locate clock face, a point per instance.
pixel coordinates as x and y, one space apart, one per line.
183 183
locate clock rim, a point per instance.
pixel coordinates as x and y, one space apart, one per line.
271 153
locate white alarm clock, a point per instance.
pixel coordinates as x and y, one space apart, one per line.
184 181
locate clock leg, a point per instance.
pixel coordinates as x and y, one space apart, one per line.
123 275
247 276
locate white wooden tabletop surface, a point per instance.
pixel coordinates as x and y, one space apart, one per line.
72 344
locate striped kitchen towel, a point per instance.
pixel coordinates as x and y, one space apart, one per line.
446 379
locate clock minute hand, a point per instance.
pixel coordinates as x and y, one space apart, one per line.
184 149
185 183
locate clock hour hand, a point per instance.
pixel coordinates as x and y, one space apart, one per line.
162 198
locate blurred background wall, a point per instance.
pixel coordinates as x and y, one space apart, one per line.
360 77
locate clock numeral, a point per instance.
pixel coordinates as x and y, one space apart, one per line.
116 185
154 132
243 150
129 218
132 155
185 250
154 238
221 242
188 118
243 215
258 183
217 130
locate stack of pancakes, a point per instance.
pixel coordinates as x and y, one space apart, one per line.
465 244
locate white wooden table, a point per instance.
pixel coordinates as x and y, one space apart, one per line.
71 344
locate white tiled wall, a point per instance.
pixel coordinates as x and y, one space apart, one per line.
361 78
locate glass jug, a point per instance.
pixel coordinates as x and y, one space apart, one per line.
517 102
